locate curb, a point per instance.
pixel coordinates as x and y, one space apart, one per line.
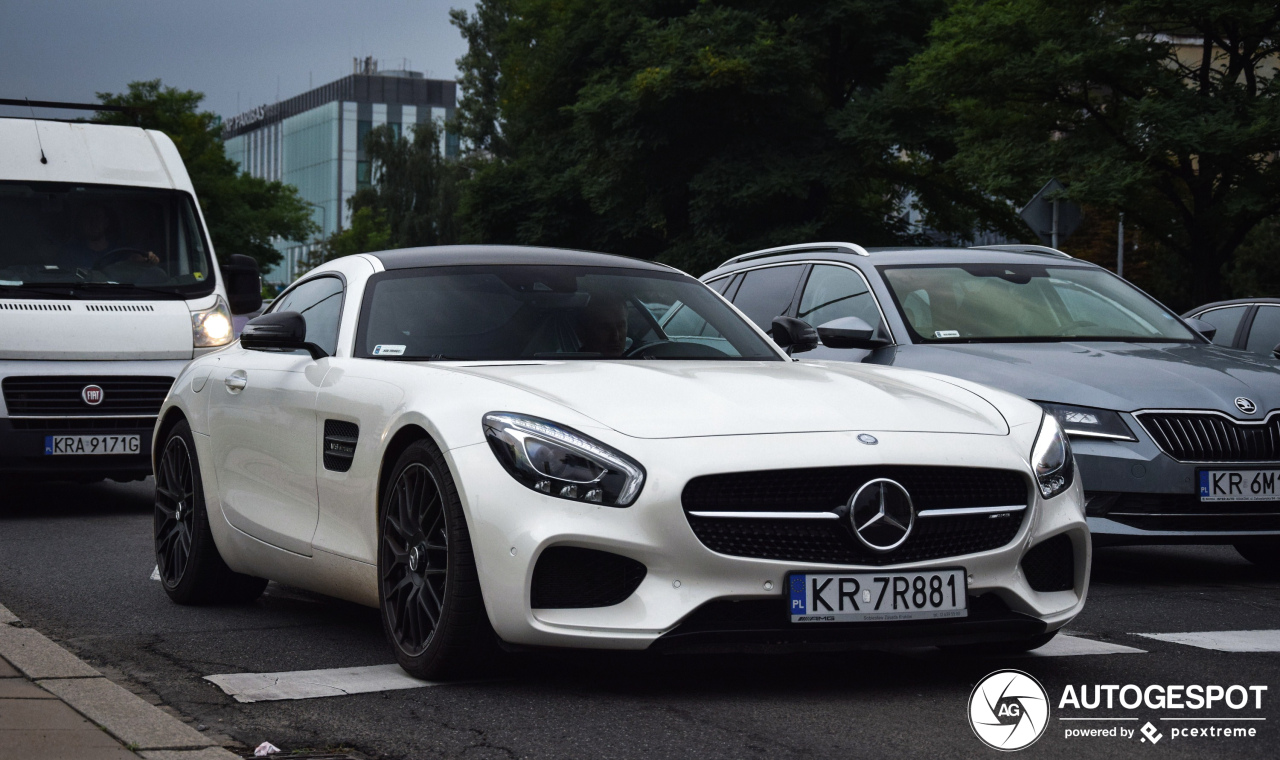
139 725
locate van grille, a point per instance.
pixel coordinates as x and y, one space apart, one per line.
61 395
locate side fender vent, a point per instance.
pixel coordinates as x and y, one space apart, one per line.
340 439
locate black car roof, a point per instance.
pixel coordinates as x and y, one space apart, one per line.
455 255
912 255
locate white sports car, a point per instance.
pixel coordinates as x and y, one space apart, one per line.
526 447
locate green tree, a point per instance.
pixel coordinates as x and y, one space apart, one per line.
1166 110
690 130
368 231
244 213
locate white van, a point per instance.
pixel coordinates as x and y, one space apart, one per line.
108 286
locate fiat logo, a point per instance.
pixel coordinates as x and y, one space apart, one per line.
1246 405
882 515
92 394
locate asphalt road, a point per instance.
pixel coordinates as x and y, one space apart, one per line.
75 563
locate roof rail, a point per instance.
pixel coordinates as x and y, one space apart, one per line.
1020 248
853 248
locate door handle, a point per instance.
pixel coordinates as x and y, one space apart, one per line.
236 381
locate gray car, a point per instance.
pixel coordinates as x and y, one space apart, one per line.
1177 439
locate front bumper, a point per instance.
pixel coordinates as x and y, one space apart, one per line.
1137 494
686 586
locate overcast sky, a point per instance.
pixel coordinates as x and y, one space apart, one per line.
239 53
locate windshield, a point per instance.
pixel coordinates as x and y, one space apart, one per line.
970 303
102 239
518 312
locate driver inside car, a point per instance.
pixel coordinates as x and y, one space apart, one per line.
93 241
602 325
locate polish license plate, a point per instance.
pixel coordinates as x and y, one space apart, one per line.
79 445
1238 485
871 597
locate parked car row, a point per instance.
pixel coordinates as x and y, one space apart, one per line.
506 447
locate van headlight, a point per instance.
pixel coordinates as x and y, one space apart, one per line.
1051 458
561 462
212 327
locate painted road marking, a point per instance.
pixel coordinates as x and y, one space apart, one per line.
1224 641
1064 645
155 574
309 684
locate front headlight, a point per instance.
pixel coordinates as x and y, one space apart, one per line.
559 461
1087 422
212 327
1051 457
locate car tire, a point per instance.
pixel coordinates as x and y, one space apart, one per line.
1017 646
191 569
1264 554
428 589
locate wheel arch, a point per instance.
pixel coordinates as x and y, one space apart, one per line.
171 417
402 439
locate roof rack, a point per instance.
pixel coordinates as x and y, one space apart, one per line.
1020 248
853 248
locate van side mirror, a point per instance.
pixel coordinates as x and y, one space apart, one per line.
279 331
850 332
795 335
243 282
1203 327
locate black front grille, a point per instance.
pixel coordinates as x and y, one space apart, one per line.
340 439
570 577
1207 437
828 489
1051 565
61 395
72 424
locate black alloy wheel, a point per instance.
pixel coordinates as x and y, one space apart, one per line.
175 510
417 552
429 591
191 569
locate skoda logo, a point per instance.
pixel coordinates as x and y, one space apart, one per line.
92 394
1008 710
1246 405
882 514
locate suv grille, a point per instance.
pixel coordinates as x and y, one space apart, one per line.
818 490
60 396
1207 437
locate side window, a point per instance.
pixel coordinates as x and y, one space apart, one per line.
320 303
834 292
766 293
1227 320
1265 333
721 284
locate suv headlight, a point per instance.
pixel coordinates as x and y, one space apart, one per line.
559 461
1051 457
212 327
1087 422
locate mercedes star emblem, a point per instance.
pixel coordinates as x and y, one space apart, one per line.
882 514
1246 405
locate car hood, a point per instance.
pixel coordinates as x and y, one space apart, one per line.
679 399
1121 376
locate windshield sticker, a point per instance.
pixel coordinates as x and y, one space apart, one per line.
198 275
946 333
388 350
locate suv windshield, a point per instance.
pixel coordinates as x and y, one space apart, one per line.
515 312
971 303
101 238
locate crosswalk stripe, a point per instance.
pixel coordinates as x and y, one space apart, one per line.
1065 645
1224 641
309 684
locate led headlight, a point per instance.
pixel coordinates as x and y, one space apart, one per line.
1087 422
212 327
1051 457
560 461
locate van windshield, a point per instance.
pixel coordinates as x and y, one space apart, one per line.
61 239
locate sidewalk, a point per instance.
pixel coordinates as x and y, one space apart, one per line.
54 706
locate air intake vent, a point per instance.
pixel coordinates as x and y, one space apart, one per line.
119 307
570 577
35 307
340 439
1050 566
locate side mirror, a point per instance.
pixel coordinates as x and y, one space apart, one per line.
849 332
279 331
243 283
1203 327
793 334
1276 352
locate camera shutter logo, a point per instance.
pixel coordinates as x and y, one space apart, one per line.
92 394
1008 710
1246 405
